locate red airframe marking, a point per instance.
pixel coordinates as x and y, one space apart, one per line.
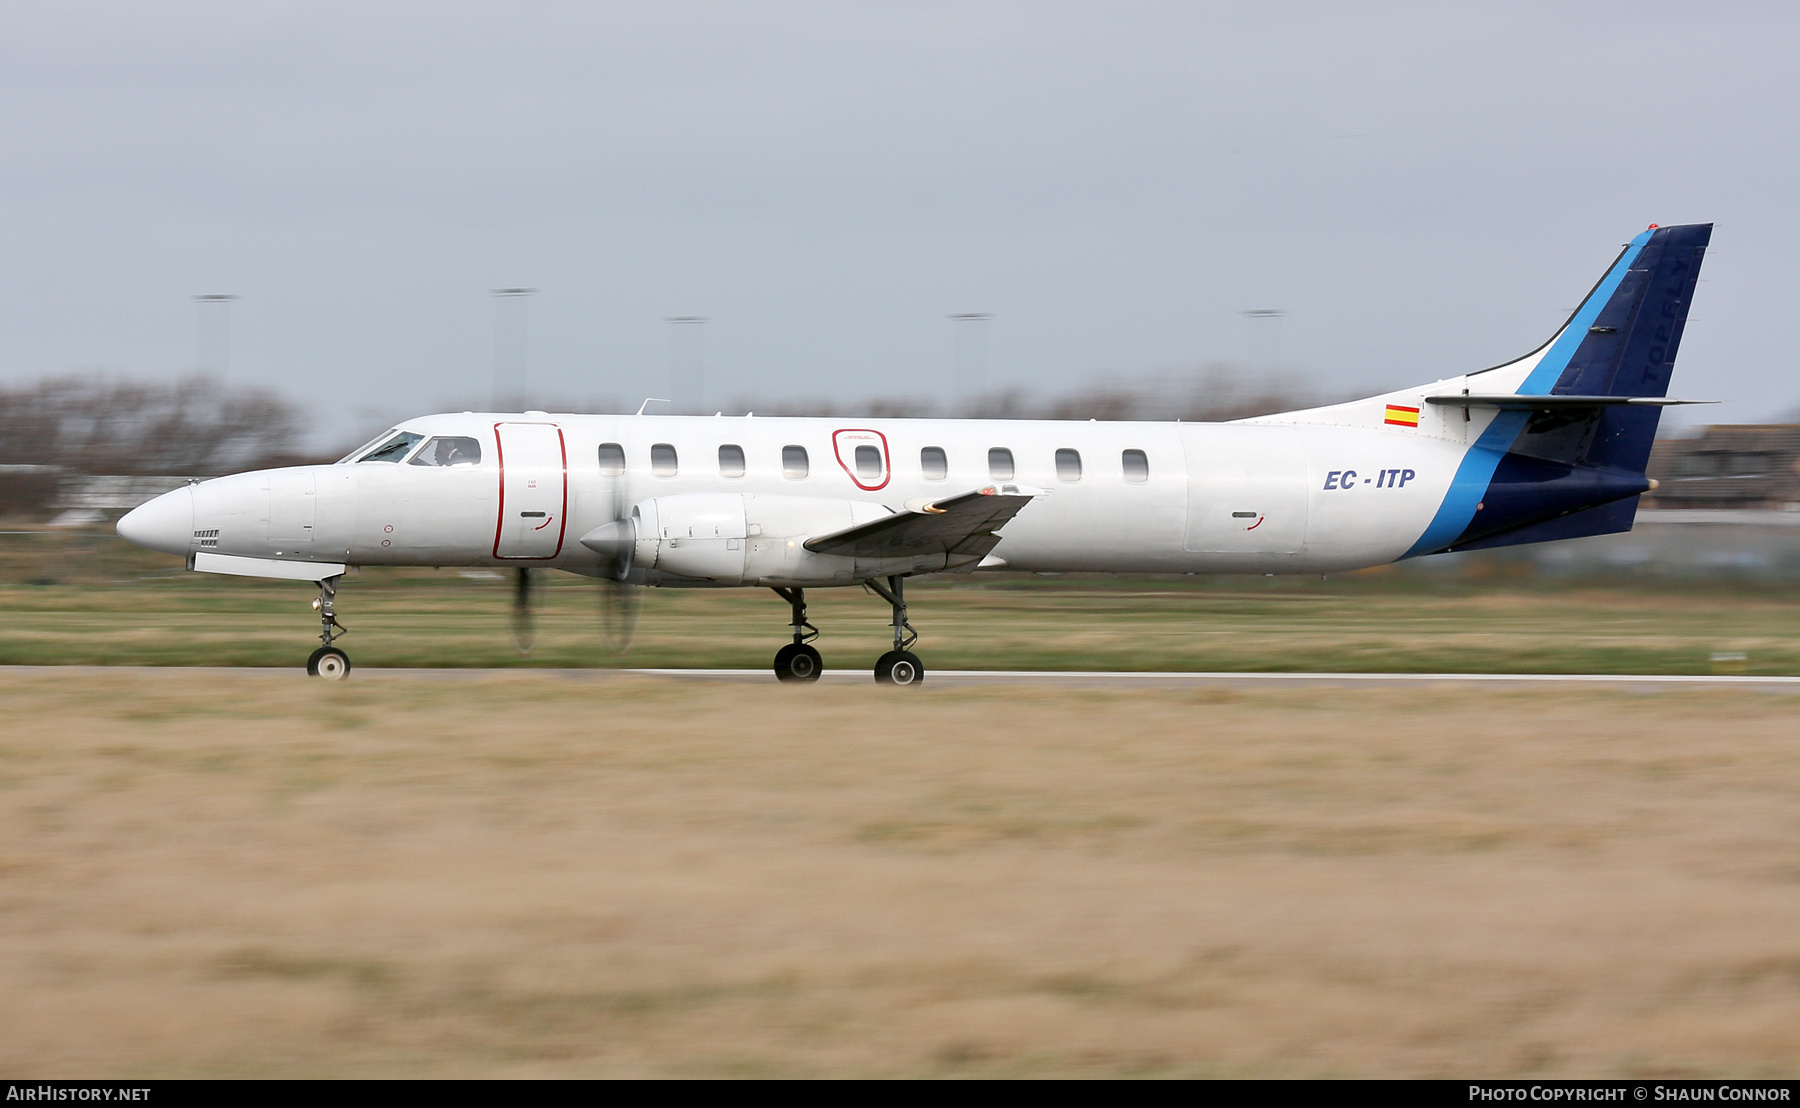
887 461
1257 524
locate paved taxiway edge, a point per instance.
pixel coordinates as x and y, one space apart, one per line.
976 676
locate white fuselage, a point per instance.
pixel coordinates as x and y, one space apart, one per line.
1256 497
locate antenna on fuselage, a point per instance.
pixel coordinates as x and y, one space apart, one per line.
649 400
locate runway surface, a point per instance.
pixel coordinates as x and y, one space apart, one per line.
979 677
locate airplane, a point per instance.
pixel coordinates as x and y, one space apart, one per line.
1552 445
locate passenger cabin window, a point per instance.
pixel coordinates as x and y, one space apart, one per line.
1137 466
394 449
868 463
933 464
662 459
1000 464
612 460
1068 465
449 450
731 461
793 462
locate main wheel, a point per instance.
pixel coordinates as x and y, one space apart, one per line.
899 667
798 662
328 662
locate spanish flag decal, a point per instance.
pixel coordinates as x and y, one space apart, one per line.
1398 416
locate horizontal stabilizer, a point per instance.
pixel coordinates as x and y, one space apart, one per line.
960 526
1553 402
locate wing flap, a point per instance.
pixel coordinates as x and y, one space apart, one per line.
962 527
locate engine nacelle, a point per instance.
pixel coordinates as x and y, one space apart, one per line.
734 539
697 535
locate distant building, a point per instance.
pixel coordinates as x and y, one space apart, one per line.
1733 467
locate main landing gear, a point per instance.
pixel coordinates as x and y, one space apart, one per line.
328 661
899 666
798 661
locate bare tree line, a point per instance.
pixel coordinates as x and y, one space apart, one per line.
1216 391
192 427
73 426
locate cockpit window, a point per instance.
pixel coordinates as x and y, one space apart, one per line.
365 447
449 450
394 449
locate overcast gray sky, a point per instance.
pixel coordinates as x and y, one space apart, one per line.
1425 188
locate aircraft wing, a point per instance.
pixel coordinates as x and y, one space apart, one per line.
960 527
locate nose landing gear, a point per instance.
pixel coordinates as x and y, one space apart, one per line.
899 666
798 661
328 661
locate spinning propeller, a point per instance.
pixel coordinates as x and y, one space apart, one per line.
619 606
523 628
619 602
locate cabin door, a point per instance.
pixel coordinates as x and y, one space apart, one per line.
1246 489
534 494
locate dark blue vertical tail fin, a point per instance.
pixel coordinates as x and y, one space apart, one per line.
1561 471
1629 350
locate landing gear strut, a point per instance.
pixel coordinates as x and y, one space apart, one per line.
798 661
899 666
328 661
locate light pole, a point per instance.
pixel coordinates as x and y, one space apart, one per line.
509 345
1270 321
212 335
969 330
687 362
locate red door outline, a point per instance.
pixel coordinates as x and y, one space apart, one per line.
563 512
887 457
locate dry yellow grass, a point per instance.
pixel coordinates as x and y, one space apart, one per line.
527 874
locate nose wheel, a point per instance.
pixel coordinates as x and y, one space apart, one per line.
798 661
899 666
328 661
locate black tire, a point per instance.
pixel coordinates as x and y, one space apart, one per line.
899 667
798 662
329 663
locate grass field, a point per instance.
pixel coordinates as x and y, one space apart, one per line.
89 598
527 874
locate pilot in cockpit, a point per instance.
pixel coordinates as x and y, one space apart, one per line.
449 450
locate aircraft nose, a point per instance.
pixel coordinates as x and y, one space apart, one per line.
165 524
